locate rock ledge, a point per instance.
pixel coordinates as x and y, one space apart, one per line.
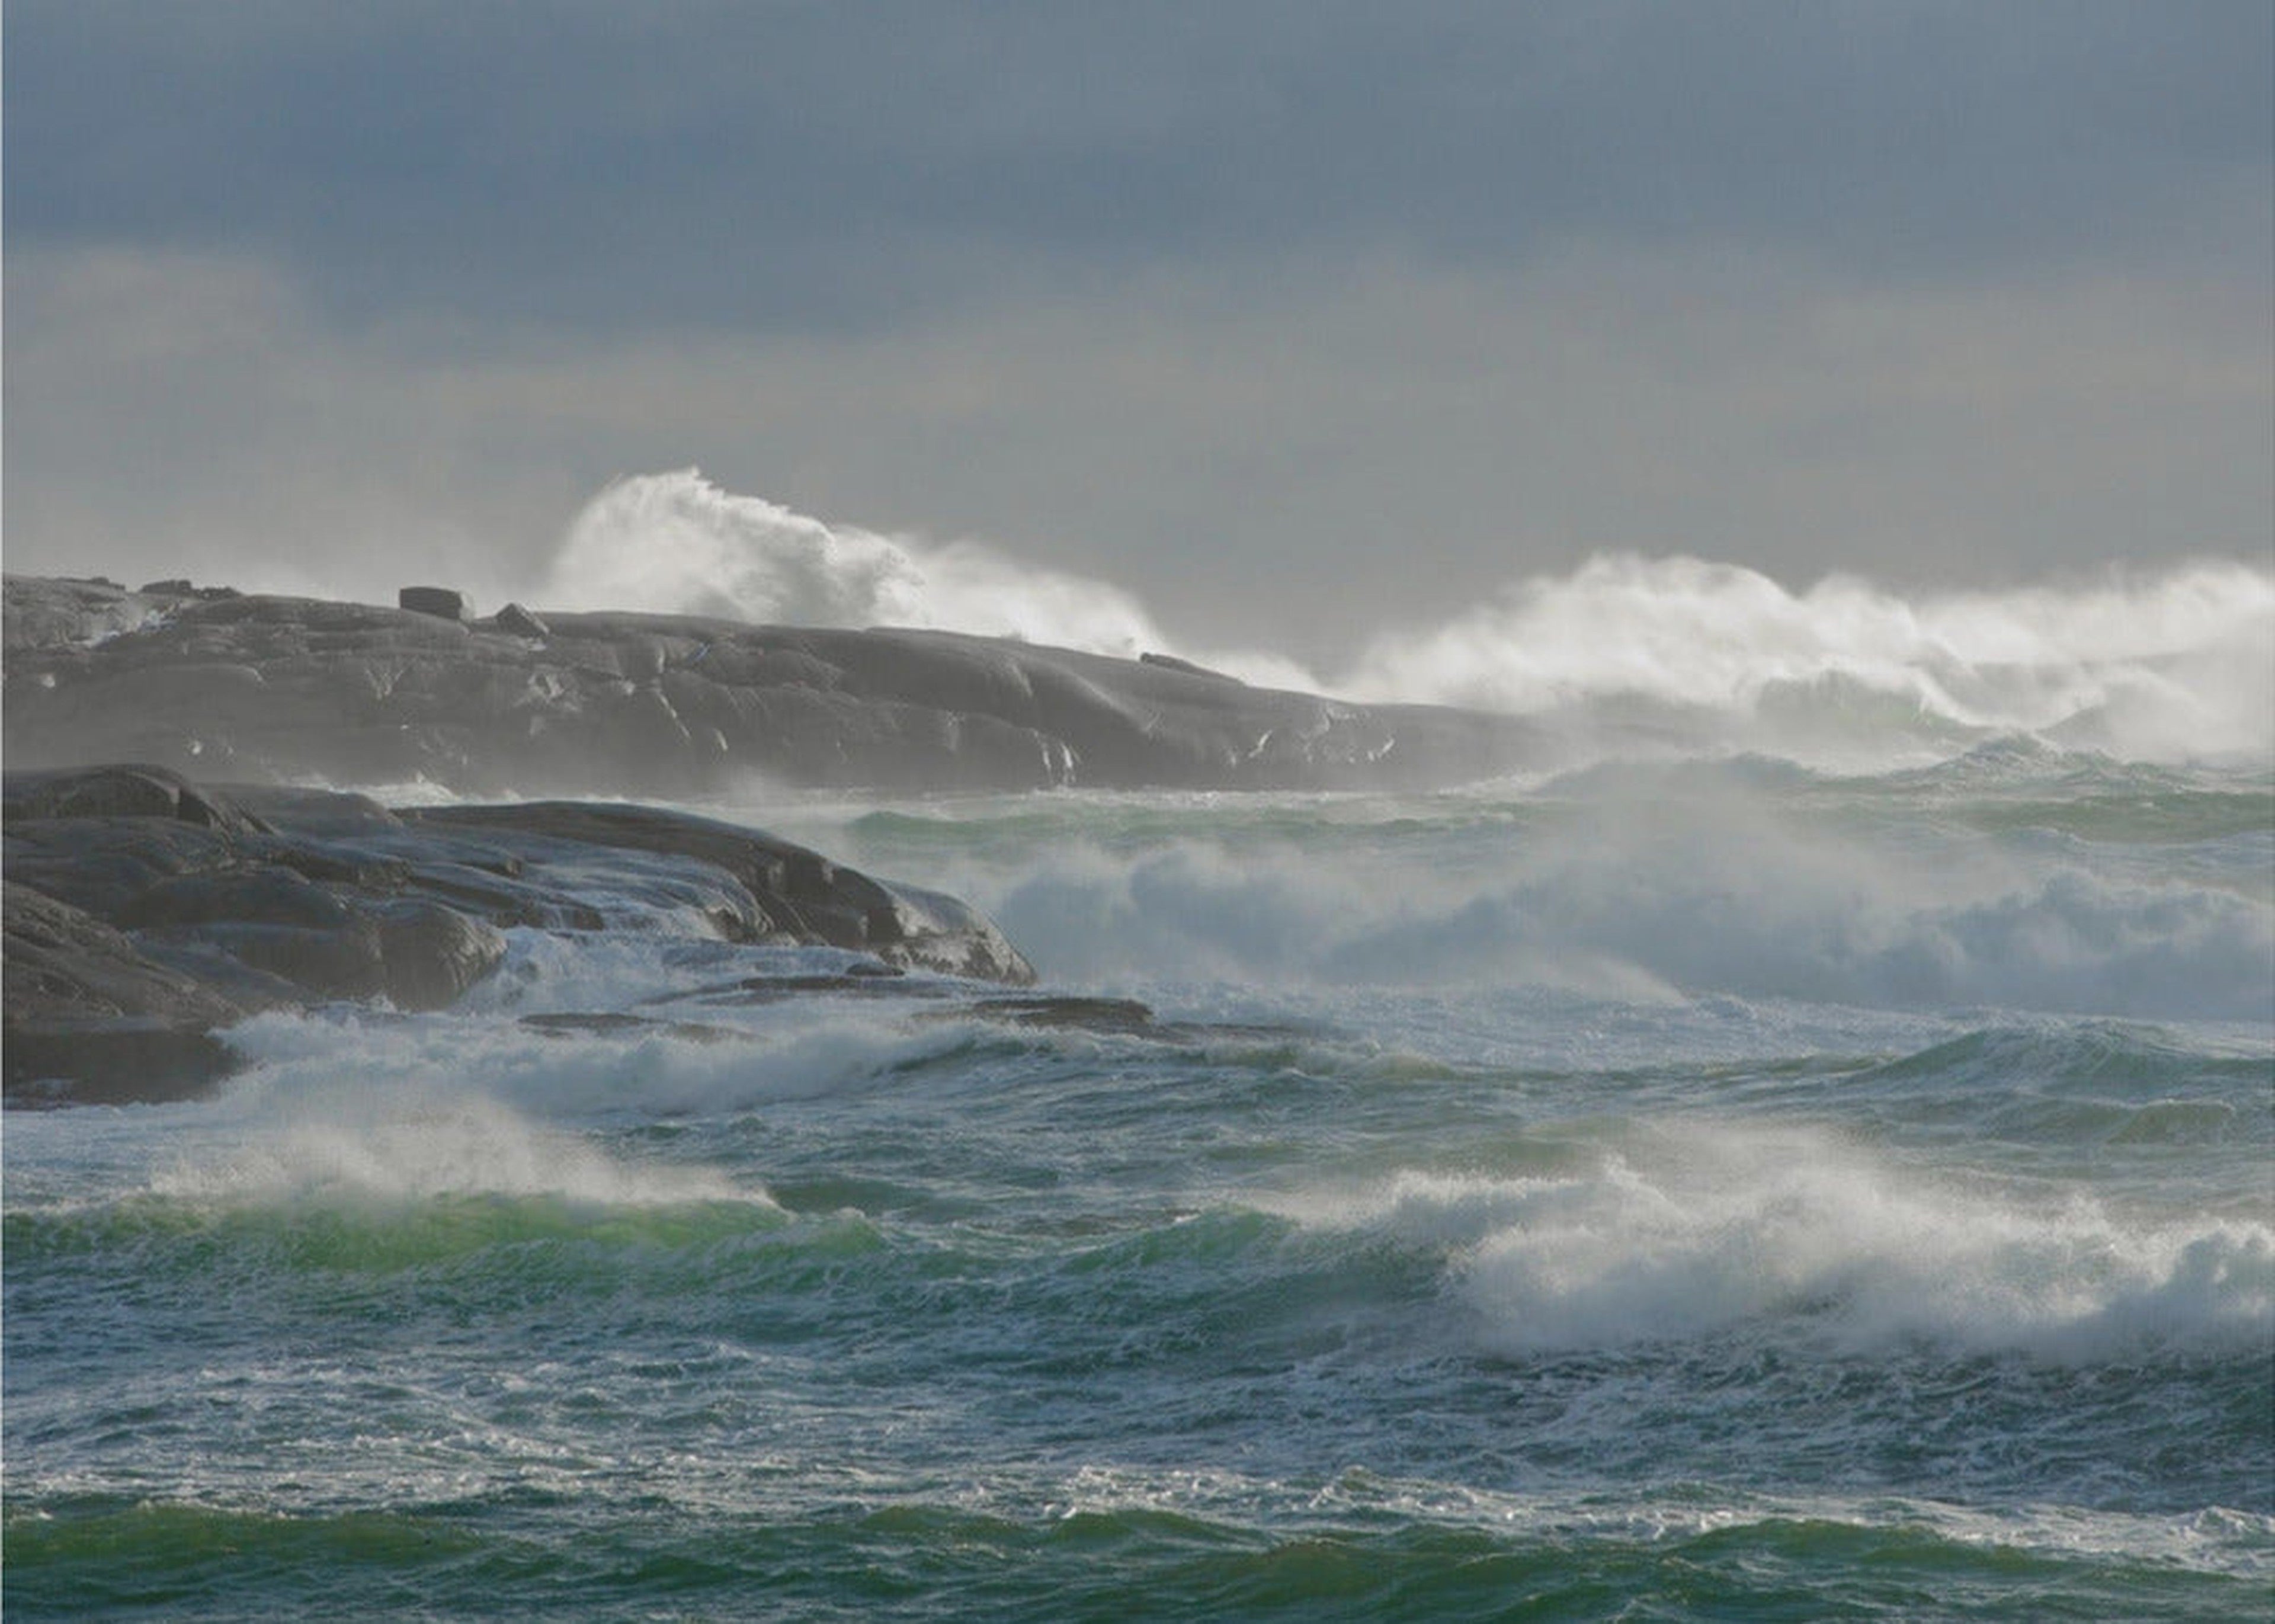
213 683
143 913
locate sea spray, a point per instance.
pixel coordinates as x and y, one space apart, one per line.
1697 1232
1648 883
2156 665
677 543
2165 664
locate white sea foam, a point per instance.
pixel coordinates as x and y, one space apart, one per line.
677 543
476 1104
1698 1231
392 1144
813 1048
2215 1539
2153 665
2169 663
1652 900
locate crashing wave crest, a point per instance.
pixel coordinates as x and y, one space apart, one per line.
2159 664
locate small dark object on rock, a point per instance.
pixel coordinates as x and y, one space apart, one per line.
520 622
1171 662
443 603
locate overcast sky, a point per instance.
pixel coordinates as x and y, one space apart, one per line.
1292 318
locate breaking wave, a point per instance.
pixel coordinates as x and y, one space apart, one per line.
2159 664
2149 665
1704 1232
675 543
679 544
1641 910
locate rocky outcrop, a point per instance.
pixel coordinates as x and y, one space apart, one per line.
517 622
778 891
142 912
220 685
88 1014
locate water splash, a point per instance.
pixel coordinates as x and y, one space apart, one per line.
1705 1232
677 543
2157 665
2149 665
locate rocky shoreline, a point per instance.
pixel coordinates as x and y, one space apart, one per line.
226 686
147 910
145 914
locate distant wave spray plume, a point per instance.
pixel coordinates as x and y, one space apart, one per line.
2150 664
677 543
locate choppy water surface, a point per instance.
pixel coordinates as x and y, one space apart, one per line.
1699 1189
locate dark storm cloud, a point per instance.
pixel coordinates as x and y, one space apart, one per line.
778 166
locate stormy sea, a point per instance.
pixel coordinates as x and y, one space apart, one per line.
1804 1148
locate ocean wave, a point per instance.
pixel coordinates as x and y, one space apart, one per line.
1625 652
2179 1107
388 1145
1646 902
1189 1546
733 1060
2168 664
677 543
1702 1232
259 1249
2130 1062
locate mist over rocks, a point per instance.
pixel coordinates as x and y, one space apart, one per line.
218 684
142 914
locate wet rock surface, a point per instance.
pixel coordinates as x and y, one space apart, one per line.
143 913
220 685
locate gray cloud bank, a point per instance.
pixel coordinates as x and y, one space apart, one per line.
757 165
1289 317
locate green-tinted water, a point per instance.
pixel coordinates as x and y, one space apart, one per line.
1826 1199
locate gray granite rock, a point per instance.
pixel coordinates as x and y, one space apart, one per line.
88 1017
266 688
519 621
143 913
